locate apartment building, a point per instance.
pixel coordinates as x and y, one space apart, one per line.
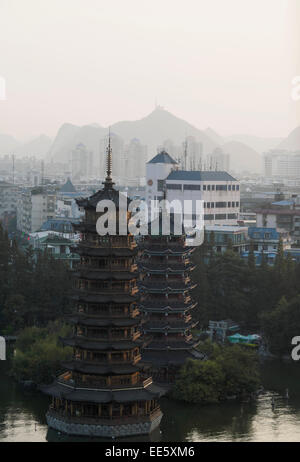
218 190
34 207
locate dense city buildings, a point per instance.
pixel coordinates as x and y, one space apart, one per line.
283 165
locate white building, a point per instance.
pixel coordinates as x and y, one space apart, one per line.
282 165
8 198
218 190
34 207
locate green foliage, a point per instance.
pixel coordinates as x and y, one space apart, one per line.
230 370
38 354
230 288
282 324
33 287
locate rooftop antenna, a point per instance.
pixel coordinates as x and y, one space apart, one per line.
185 153
13 168
42 173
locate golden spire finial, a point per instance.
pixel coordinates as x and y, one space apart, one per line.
108 179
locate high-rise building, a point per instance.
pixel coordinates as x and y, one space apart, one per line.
282 165
34 207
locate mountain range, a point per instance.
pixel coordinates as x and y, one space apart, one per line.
160 125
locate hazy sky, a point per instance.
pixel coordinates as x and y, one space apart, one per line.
227 64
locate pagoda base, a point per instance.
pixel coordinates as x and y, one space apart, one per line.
104 430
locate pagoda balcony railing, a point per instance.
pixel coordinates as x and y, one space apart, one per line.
143 383
97 420
163 266
119 361
108 291
165 322
111 338
128 244
100 315
168 302
154 243
108 268
178 285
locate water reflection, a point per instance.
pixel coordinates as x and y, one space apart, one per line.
22 414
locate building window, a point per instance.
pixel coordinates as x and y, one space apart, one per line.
160 185
204 187
220 216
177 187
191 187
208 217
220 205
221 187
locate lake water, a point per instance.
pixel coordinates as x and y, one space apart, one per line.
22 414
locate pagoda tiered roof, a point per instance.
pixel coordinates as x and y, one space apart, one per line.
106 369
170 357
101 345
104 322
100 396
107 193
172 345
169 267
171 326
166 306
93 251
166 286
103 275
86 296
165 250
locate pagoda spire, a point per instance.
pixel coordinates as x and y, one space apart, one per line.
108 180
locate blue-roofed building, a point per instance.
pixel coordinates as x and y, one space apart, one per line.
267 239
59 225
162 158
294 253
269 257
217 191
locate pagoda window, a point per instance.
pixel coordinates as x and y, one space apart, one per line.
105 410
99 357
127 410
117 357
99 333
118 310
90 410
121 380
101 285
115 410
117 333
102 263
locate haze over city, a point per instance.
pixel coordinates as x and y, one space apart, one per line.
226 65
